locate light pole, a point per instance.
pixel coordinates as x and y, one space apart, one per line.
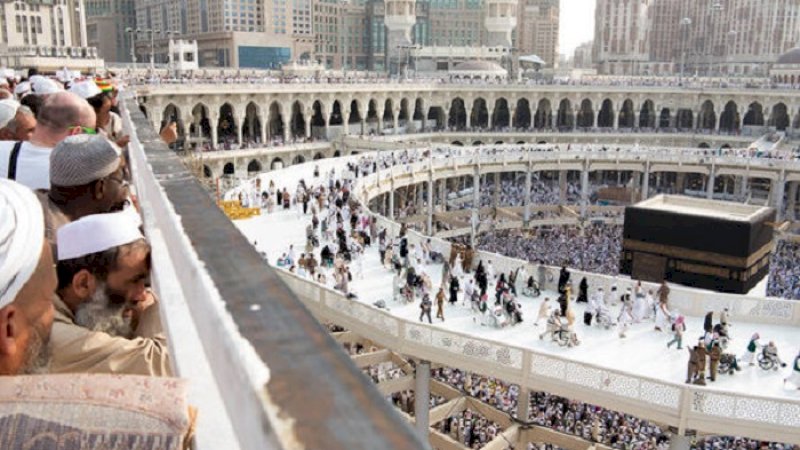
132 32
685 23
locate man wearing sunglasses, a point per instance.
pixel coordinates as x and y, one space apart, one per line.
87 176
62 114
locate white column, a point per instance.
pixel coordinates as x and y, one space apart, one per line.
527 198
562 187
710 187
646 181
422 399
678 442
777 191
430 203
523 404
476 204
793 186
496 193
584 190
391 200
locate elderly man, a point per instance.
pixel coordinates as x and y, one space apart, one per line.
27 283
87 176
62 114
17 122
106 320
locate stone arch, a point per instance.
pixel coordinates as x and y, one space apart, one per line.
499 143
480 113
779 118
544 113
276 164
501 116
226 124
275 120
437 114
317 116
388 111
298 120
172 113
372 111
457 143
355 114
585 117
207 173
754 115
298 159
403 115
254 166
458 114
201 120
336 117
522 116
477 142
708 118
565 118
729 120
337 154
684 119
664 118
228 169
605 118
704 145
319 156
627 117
647 115
251 125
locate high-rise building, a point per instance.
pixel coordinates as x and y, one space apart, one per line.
106 22
620 35
537 29
582 58
47 34
705 37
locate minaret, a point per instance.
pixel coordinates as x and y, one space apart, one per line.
399 18
501 19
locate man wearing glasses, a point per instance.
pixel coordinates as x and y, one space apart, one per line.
62 114
87 176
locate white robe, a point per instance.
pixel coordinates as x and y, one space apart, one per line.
662 317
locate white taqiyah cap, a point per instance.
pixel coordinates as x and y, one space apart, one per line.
21 238
22 89
85 89
96 233
8 110
44 86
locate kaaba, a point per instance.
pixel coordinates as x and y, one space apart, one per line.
707 244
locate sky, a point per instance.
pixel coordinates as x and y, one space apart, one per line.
576 24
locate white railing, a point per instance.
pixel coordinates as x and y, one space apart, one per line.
679 405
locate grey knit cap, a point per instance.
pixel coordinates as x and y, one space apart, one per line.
78 160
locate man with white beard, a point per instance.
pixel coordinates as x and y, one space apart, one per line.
106 320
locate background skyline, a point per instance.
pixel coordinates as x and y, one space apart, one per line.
576 24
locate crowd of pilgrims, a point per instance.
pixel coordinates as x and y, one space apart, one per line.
339 231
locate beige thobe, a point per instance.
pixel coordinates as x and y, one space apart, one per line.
78 349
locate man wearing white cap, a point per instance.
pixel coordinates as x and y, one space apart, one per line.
87 176
17 122
107 320
62 114
27 283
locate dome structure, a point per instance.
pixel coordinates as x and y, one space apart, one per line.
478 69
786 69
790 57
